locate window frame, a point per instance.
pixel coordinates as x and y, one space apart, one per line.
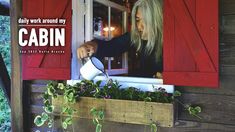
79 10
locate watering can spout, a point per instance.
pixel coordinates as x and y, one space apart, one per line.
91 68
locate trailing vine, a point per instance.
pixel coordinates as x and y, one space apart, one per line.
110 90
98 117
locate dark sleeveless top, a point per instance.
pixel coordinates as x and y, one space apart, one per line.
116 46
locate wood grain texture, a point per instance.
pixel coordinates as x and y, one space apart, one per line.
215 108
226 87
193 45
16 83
227 7
86 125
46 66
227 55
38 88
36 99
228 22
217 104
193 34
190 126
135 112
36 109
227 39
227 70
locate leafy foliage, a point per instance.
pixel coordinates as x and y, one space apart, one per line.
153 127
110 90
5 120
98 116
5 41
192 110
5 114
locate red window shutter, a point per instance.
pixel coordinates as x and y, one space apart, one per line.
190 43
48 66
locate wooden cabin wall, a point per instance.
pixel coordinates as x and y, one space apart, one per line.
218 105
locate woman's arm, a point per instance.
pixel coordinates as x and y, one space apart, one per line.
113 47
102 48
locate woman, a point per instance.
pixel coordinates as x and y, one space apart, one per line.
145 37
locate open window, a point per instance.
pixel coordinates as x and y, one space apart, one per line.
103 20
190 46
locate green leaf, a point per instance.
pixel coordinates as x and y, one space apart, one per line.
199 110
71 97
190 109
47 103
95 121
101 115
177 93
64 109
50 123
93 111
147 99
54 96
51 91
38 121
44 116
98 128
153 127
70 111
98 83
69 120
45 96
49 109
66 99
64 125
61 86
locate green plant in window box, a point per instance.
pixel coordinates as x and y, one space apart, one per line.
111 90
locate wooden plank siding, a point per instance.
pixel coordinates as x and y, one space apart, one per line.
218 105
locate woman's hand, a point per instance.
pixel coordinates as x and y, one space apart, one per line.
158 75
86 49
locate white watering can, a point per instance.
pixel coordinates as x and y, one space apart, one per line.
92 68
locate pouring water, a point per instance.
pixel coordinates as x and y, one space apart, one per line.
92 68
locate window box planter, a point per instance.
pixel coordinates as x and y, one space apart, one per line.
123 111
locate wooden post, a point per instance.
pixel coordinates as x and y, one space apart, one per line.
16 81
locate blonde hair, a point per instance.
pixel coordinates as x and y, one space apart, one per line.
152 19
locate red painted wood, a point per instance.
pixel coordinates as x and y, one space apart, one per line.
168 38
32 9
190 39
191 79
49 66
58 73
208 26
191 35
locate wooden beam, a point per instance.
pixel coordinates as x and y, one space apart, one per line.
16 83
5 82
216 108
192 126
